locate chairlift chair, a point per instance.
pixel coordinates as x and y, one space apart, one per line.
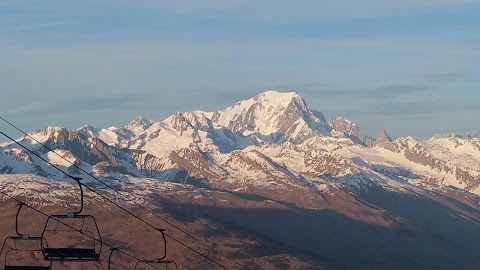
161 260
34 246
78 251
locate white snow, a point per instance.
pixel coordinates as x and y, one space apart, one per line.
381 156
255 150
268 106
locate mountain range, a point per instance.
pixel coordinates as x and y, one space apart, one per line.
274 154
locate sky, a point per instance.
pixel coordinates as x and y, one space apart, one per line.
407 66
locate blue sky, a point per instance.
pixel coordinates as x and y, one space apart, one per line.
411 67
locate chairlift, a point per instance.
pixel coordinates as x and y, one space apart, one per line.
33 246
82 244
158 261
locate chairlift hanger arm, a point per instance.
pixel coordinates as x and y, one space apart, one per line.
4 243
110 257
16 220
78 179
162 231
174 263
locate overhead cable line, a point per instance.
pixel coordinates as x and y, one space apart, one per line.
73 228
114 203
119 193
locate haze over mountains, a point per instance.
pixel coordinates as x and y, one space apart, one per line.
378 202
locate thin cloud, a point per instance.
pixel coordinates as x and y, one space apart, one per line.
446 77
423 108
84 104
279 11
309 11
393 90
34 26
381 92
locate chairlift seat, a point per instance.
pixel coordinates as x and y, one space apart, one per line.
70 254
21 267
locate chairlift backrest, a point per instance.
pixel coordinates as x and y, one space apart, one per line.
33 246
87 250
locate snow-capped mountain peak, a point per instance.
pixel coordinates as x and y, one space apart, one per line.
276 98
272 113
139 125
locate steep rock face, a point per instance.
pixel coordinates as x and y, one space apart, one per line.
197 120
195 163
350 130
88 150
16 161
180 123
382 138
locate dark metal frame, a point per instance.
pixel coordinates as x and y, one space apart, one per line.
24 237
110 257
74 254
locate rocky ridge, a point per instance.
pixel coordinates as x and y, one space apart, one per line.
273 156
269 140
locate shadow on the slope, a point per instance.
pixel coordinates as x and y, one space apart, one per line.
433 217
427 235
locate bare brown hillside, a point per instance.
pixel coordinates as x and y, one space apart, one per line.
369 229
